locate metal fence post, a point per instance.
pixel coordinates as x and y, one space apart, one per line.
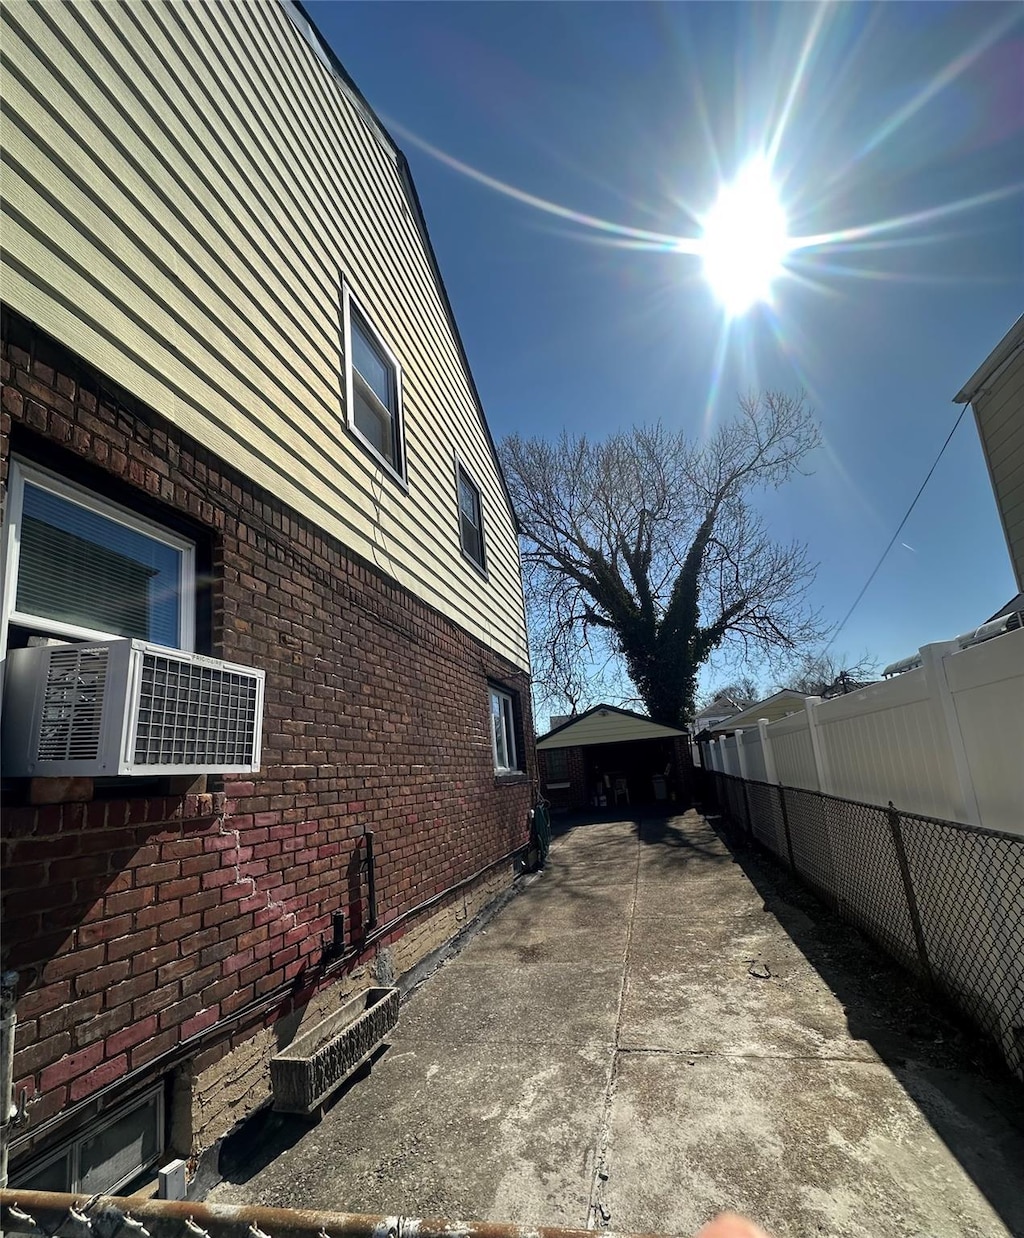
896 828
785 826
748 823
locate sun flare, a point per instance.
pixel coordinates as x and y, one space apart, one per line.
745 239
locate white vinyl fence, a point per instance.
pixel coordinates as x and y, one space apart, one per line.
945 740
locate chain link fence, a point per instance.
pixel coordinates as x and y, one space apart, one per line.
42 1214
945 900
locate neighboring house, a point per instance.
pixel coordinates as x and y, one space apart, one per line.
779 705
996 393
611 757
722 707
241 425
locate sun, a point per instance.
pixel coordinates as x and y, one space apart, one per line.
745 239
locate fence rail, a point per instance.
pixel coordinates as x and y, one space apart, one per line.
44 1214
943 899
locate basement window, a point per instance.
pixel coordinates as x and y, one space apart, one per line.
108 1154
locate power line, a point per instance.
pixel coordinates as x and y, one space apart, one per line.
899 528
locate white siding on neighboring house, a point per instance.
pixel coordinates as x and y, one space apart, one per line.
186 187
996 392
1000 416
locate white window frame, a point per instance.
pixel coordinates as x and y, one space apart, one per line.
395 469
508 718
462 472
22 471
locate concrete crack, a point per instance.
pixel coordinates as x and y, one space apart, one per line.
598 1215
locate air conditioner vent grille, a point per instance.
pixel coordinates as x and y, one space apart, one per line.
193 714
72 708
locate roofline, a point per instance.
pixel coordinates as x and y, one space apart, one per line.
758 704
613 709
993 363
327 56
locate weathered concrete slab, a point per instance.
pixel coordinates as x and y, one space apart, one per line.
444 1130
723 894
844 1149
733 987
535 1004
660 1032
562 930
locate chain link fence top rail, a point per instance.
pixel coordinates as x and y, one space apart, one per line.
42 1214
945 900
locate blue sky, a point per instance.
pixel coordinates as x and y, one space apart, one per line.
635 113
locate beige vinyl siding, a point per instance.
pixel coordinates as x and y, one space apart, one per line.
611 728
186 186
999 411
773 708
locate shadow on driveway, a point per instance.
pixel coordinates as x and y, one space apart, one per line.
953 1075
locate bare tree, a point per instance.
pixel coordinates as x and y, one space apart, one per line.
825 674
744 689
649 541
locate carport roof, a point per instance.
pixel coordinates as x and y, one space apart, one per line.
605 724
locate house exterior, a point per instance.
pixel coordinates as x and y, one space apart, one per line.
996 393
609 757
238 423
716 711
778 705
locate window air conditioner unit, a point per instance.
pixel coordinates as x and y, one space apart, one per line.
126 708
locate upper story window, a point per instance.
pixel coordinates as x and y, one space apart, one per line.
81 568
503 732
471 525
373 388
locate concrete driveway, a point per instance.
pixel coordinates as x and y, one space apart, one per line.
650 1032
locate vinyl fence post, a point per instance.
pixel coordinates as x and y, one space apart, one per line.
740 754
811 704
933 658
766 747
896 828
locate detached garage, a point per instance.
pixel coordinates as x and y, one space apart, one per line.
609 758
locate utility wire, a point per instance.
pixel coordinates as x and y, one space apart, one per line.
899 528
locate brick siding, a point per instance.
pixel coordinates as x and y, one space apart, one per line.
137 922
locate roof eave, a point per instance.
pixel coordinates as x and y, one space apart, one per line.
993 363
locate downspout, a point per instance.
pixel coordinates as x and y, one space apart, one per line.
8 1109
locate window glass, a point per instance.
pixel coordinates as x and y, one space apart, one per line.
557 762
373 368
375 425
79 567
373 381
503 731
470 524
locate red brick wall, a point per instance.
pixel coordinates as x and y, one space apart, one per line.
137 922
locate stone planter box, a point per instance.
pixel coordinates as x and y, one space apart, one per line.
315 1064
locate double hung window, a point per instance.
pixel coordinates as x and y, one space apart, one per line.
373 388
79 567
471 525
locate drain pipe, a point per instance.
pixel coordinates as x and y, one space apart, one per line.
8 1109
371 881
